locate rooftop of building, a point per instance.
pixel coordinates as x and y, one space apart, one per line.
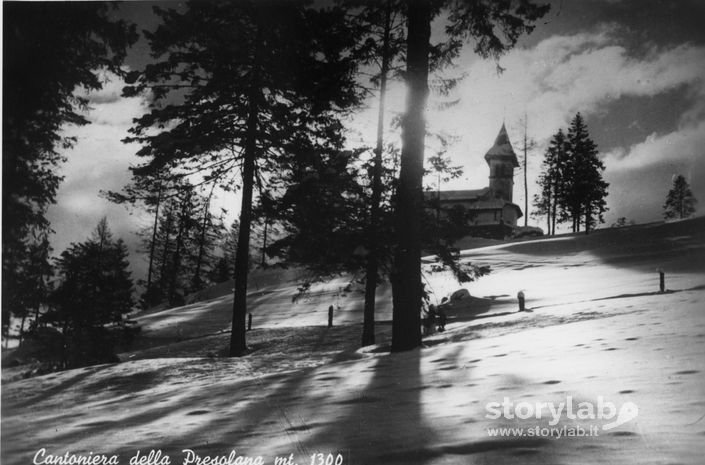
502 148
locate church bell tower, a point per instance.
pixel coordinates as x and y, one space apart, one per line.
502 160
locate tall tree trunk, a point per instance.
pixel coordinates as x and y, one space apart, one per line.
264 242
554 207
372 269
165 249
238 340
152 246
588 218
438 208
20 336
202 240
407 288
553 217
526 182
548 215
176 264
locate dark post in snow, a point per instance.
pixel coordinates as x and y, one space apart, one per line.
249 321
330 316
520 297
662 280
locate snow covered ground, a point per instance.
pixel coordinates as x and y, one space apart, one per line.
598 335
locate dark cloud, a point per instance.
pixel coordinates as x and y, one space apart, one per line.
646 23
631 119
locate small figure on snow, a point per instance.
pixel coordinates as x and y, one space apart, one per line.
520 298
442 317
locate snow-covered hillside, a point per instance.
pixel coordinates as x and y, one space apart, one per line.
598 334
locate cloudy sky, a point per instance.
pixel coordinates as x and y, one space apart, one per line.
634 69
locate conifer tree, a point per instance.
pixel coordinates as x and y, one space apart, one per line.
181 246
584 189
494 27
95 290
551 180
571 184
252 78
49 50
152 192
322 213
680 202
442 171
381 42
226 250
31 291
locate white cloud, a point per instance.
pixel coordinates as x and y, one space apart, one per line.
108 107
687 144
561 76
98 161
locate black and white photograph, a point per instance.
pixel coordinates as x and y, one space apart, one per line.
353 232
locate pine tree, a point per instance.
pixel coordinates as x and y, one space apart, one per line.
495 27
208 228
680 202
381 42
32 289
181 245
442 171
322 214
159 193
95 290
572 187
380 29
185 223
49 49
407 288
151 191
584 188
551 182
226 251
253 78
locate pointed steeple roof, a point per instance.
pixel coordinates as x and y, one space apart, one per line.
502 149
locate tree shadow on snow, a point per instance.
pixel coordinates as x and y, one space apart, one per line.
383 422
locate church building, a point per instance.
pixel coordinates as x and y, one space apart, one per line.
489 212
